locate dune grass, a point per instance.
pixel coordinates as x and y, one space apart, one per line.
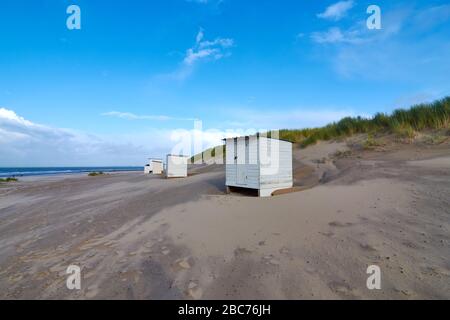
371 142
207 154
8 180
403 122
94 174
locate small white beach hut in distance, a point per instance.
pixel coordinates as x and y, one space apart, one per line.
157 166
176 166
258 162
148 167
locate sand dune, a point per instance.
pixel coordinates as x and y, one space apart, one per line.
141 237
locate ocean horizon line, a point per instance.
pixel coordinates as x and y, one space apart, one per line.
37 171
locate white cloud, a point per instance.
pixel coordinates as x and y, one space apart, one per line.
294 118
335 35
203 49
358 33
217 2
24 143
199 36
27 144
405 101
388 54
336 11
224 43
10 116
430 17
132 116
193 56
198 1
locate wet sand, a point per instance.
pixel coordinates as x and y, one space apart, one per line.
145 237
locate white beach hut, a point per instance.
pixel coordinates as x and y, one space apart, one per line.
148 167
176 166
258 162
157 166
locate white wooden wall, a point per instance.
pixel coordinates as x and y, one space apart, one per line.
275 164
258 163
230 163
242 168
157 167
252 163
176 166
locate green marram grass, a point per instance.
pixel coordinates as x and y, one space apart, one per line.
403 122
95 173
8 180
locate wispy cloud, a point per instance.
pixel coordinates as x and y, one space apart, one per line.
404 101
336 11
293 118
198 1
389 53
217 2
25 143
430 17
335 35
204 49
132 116
358 33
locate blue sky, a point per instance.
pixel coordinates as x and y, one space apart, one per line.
114 92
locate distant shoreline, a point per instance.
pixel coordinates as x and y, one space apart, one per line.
21 172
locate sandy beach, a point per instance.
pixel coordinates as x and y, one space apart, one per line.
145 237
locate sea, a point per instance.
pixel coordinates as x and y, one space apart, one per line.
41 171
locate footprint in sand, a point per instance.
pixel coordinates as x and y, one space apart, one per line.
340 224
194 291
367 247
133 253
271 260
341 287
92 291
183 263
57 269
119 253
89 275
310 269
327 234
165 251
148 245
242 251
274 262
